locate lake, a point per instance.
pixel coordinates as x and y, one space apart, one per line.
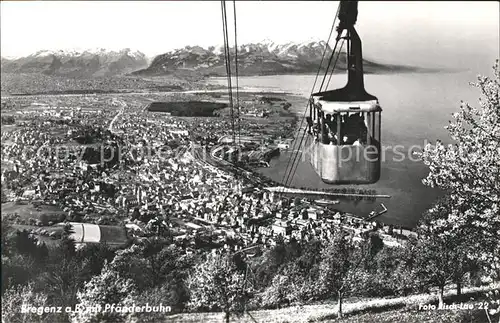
416 107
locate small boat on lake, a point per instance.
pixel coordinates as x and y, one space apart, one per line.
326 202
373 214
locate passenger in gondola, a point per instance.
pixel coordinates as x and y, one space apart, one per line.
310 125
315 128
363 130
363 134
344 119
331 123
348 129
325 135
330 129
356 129
343 129
333 139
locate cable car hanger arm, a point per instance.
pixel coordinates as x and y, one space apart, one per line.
348 15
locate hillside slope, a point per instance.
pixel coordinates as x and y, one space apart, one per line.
379 310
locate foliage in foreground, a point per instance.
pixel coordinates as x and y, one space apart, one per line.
468 171
402 316
217 284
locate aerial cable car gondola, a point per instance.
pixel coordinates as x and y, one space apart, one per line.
344 125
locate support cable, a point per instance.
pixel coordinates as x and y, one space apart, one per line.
296 165
328 67
236 73
290 176
228 64
335 64
312 91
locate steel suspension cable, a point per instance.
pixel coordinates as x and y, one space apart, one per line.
314 84
228 64
285 177
335 64
293 170
295 163
294 166
236 72
328 66
229 75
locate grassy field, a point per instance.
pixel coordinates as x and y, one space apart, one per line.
49 241
392 316
27 210
400 310
402 316
113 235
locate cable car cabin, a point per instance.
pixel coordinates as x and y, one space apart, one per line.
344 140
344 124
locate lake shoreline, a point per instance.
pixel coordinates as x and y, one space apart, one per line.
416 109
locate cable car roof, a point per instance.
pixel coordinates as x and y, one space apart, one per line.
346 106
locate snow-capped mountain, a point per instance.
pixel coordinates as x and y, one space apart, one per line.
261 58
78 63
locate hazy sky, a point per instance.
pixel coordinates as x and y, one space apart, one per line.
451 34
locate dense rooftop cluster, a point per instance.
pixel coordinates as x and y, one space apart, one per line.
121 165
38 83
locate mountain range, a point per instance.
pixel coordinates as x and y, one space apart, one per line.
262 58
78 64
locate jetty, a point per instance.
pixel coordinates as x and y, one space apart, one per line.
373 214
281 189
326 202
